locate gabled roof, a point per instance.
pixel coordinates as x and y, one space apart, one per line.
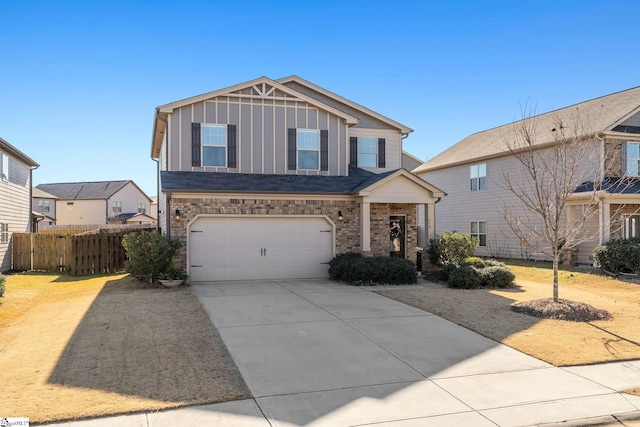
220 182
159 126
14 152
39 194
598 115
101 190
293 78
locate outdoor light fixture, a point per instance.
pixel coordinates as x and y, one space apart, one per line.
177 213
340 218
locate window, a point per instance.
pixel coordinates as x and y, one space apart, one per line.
308 149
631 226
367 152
43 206
5 167
4 233
116 206
478 177
479 231
214 145
142 208
632 158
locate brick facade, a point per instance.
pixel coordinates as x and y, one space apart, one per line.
347 231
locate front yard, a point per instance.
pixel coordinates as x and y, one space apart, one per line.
77 347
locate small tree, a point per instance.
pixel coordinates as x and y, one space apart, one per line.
451 248
150 254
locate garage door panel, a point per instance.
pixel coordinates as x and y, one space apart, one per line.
259 248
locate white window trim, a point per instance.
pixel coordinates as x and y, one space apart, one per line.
375 151
42 204
203 126
625 230
142 206
478 234
632 159
475 170
5 167
116 206
4 233
298 149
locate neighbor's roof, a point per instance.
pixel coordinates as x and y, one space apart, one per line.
38 193
597 115
13 151
358 180
612 185
85 190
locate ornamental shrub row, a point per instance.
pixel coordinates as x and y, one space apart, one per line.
477 273
3 280
619 256
356 269
451 248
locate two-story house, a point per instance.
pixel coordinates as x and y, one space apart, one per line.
473 174
16 173
272 178
93 203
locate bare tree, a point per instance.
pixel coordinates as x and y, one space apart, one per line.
553 156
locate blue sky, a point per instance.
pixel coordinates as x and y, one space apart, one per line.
79 80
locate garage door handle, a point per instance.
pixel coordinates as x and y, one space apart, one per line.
196 231
196 266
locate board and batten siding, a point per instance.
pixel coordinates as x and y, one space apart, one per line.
15 206
261 126
393 146
461 206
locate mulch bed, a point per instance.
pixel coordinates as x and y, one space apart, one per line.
572 311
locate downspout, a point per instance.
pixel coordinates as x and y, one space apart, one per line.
157 191
167 209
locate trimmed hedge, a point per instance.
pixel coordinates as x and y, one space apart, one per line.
356 269
2 284
150 254
477 273
621 255
451 248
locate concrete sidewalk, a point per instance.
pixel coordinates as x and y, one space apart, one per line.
318 353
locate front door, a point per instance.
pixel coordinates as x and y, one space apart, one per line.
396 236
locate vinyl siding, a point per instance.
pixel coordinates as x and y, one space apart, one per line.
130 196
81 212
393 158
15 206
461 205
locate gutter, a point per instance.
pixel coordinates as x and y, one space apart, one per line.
158 174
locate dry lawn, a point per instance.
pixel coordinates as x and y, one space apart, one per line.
83 347
561 343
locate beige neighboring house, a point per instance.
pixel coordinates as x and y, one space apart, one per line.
44 208
270 179
16 176
153 212
96 203
472 173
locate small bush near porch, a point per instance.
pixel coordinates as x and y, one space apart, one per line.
356 269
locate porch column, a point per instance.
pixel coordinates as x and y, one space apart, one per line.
431 221
365 226
606 236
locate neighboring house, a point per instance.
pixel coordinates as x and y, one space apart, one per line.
272 178
94 203
16 173
410 162
153 211
472 172
44 204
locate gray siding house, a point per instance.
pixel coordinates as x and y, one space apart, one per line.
272 178
15 197
473 172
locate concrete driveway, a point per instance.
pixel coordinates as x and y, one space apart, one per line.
315 352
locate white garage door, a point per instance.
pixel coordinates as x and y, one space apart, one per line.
247 248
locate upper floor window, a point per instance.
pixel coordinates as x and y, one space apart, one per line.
116 206
214 145
478 177
479 231
367 152
308 149
631 155
44 206
142 208
5 167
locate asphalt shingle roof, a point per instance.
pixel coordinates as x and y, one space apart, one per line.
613 186
83 190
597 115
250 183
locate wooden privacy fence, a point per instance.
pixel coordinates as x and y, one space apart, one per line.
80 254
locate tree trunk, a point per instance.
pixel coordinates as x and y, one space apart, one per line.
555 275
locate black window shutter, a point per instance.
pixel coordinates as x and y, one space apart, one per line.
195 144
324 150
382 153
232 151
292 149
353 151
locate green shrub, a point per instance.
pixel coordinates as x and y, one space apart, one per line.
473 261
150 254
3 280
621 255
445 272
451 248
465 277
496 276
357 269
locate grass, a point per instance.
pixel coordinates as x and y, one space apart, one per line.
76 347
